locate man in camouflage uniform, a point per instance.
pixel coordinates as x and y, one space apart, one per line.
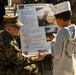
11 60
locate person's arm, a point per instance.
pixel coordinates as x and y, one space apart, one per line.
57 47
37 58
11 54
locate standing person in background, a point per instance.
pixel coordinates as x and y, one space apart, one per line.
2 13
73 7
10 3
64 48
5 2
12 62
15 3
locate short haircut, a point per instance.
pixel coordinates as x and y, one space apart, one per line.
5 24
65 15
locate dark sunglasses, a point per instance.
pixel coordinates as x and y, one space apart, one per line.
16 27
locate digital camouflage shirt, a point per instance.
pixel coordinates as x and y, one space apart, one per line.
11 60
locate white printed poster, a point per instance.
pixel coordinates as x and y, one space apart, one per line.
33 34
33 40
27 15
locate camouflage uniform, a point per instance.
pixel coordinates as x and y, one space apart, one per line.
11 60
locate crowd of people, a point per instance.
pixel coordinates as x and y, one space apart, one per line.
12 62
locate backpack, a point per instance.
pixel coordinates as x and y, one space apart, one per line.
72 49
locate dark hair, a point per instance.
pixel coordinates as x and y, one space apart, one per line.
4 23
65 15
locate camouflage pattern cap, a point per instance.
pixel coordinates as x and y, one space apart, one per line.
12 19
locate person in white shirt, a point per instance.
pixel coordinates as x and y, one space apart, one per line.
64 48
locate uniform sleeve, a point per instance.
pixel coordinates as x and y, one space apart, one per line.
10 55
57 46
4 60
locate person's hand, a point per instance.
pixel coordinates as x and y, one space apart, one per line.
54 35
40 57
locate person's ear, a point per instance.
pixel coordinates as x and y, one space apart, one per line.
7 28
61 20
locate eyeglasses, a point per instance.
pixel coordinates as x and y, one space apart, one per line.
16 27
